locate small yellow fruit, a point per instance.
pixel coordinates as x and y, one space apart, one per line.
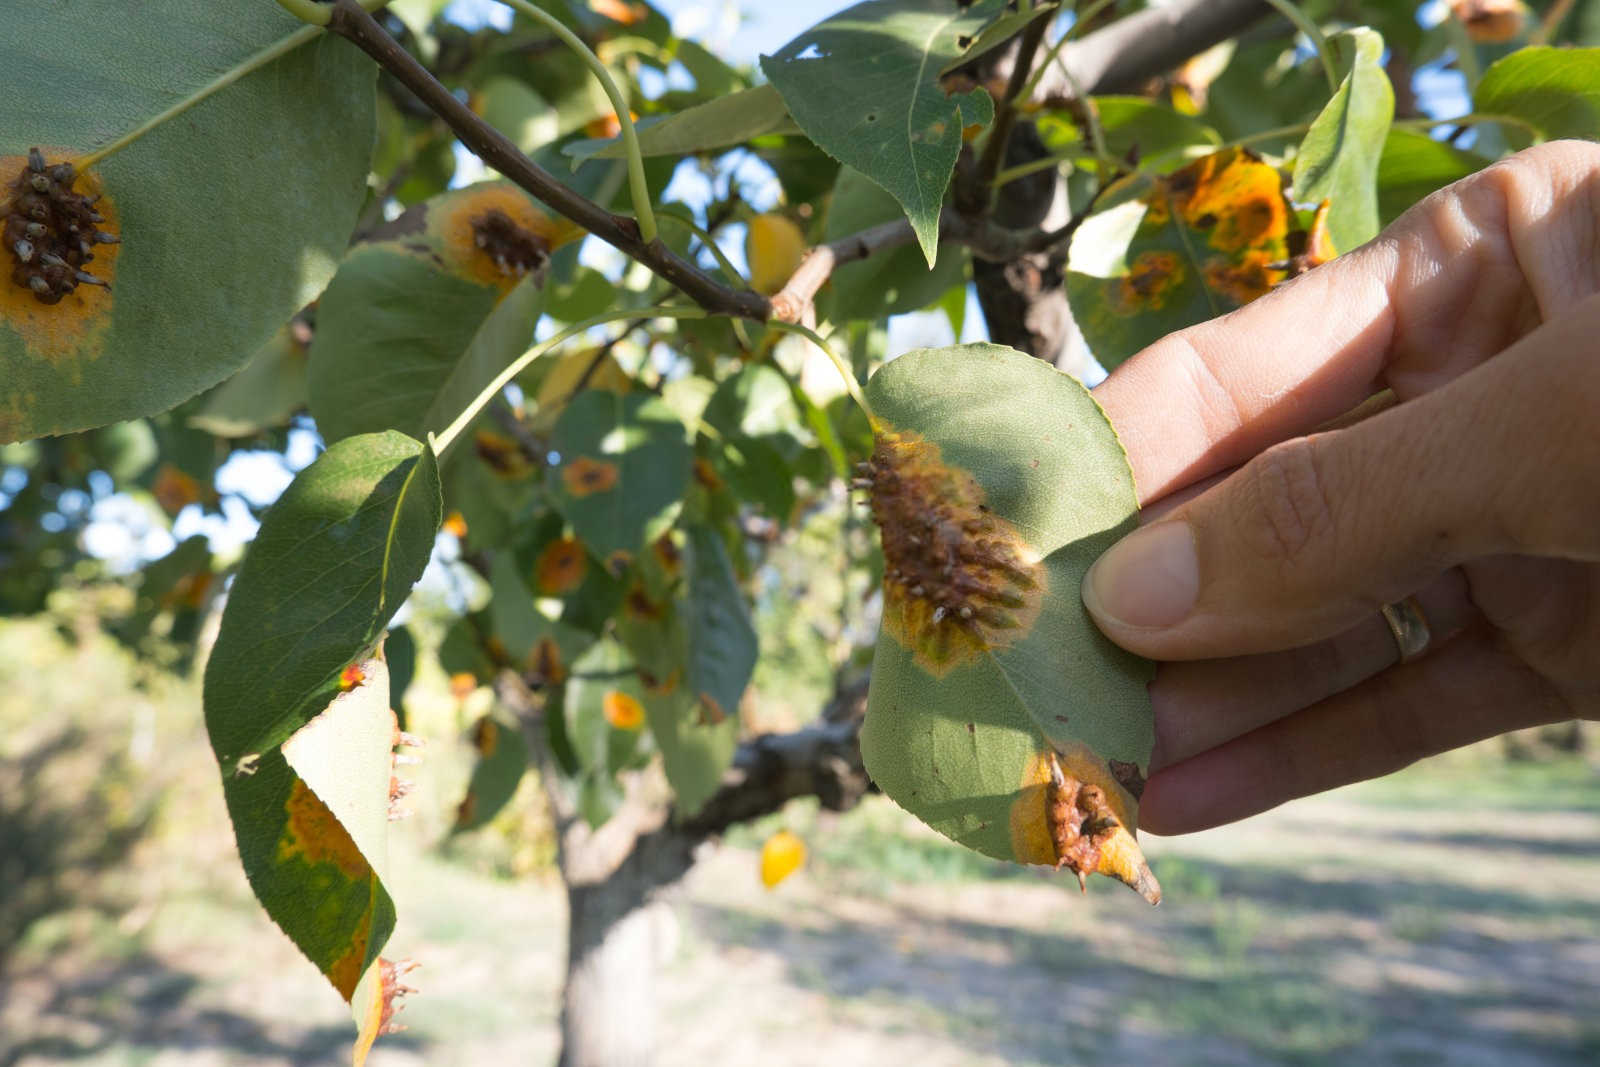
773 246
781 856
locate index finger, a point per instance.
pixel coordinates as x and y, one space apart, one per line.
1455 280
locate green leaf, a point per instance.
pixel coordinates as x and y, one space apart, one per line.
221 240
1338 160
265 392
722 639
727 120
864 85
992 445
502 760
514 109
311 821
891 282
1172 251
623 471
1131 125
415 325
1414 165
1553 91
334 559
604 711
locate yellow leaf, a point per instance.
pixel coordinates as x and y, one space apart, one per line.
781 856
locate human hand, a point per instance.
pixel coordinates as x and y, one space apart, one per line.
1478 492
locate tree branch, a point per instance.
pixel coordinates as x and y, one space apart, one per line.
975 188
1123 55
353 23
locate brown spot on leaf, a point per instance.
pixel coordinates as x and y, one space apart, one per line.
486 737
706 476
711 713
467 809
586 475
667 555
1128 776
174 489
545 662
494 235
561 566
1070 812
1151 279
638 606
501 454
958 579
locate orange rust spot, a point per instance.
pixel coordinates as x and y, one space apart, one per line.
345 972
661 687
73 329
1240 282
455 525
561 566
618 562
545 660
667 555
493 234
188 591
1074 811
706 476
496 649
351 677
621 710
1152 277
617 11
174 489
486 737
467 809
501 454
1490 21
316 836
638 606
958 579
711 713
586 475
462 683
1232 197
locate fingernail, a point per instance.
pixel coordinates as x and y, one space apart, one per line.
1151 578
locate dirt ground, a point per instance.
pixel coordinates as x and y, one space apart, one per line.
1449 915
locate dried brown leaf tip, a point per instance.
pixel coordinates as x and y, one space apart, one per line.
51 230
958 579
1088 837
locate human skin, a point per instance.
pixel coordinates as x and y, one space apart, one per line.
1269 547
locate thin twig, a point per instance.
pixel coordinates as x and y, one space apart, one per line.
790 302
978 189
353 23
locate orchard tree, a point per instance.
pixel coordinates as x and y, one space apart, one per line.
221 214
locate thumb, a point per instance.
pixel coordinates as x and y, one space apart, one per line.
1317 533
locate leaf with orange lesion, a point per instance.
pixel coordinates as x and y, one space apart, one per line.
1180 248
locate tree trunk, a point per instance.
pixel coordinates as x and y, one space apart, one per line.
619 930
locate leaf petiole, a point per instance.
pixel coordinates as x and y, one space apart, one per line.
850 384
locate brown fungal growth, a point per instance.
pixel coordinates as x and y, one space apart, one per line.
958 579
1073 812
51 230
496 235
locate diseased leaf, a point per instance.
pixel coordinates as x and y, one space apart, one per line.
722 639
502 759
996 482
311 821
334 559
220 241
1338 159
1177 249
864 85
415 325
623 470
1555 91
533 643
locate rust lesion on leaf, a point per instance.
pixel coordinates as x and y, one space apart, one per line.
958 580
495 235
561 566
315 835
586 475
1152 278
486 737
1073 811
59 241
622 710
545 662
